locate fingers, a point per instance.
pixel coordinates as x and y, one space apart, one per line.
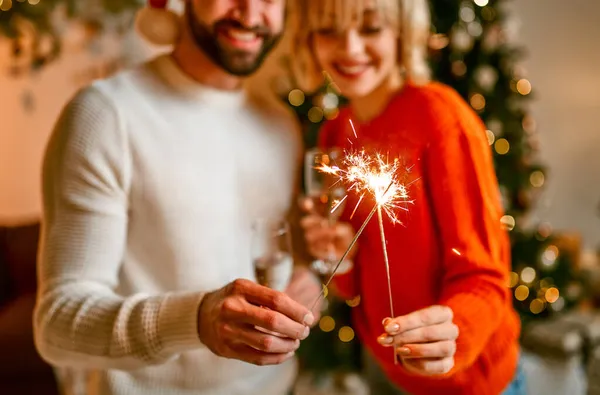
262 341
442 349
257 357
428 334
435 366
426 317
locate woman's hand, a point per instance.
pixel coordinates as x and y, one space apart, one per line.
324 240
425 340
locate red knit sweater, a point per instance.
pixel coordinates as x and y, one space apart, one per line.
450 248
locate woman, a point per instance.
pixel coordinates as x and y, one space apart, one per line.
455 331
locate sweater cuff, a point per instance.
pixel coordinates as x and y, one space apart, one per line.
178 323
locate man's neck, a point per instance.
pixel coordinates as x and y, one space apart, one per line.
200 68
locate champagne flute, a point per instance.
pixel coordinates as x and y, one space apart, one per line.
271 253
325 195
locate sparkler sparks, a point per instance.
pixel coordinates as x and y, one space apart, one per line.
374 176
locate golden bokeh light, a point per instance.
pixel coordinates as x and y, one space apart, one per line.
296 97
315 114
491 137
5 5
346 334
528 275
521 292
513 279
331 113
537 179
353 302
327 323
524 86
478 101
537 306
502 146
508 222
481 3
552 295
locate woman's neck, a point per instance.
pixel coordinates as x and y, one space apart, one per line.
370 106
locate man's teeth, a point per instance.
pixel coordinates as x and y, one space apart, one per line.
352 69
242 35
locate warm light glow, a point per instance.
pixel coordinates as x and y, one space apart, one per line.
5 5
537 306
524 87
374 176
331 113
508 222
346 334
327 324
478 101
491 137
325 291
537 179
552 295
353 302
528 275
481 3
296 97
315 114
33 2
502 146
522 292
513 279
457 252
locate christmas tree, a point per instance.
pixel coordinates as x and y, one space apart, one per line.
470 52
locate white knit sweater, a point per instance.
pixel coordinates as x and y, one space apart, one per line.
150 184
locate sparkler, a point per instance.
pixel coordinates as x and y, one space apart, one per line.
377 177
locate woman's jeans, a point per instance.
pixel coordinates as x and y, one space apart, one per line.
380 385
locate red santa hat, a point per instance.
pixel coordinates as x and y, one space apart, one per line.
157 24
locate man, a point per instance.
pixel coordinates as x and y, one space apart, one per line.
151 181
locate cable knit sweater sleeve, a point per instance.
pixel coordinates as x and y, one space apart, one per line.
79 319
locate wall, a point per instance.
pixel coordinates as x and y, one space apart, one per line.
30 104
561 38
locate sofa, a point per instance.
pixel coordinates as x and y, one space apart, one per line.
22 371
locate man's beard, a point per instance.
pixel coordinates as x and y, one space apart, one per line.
236 62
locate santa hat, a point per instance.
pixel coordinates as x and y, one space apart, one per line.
157 24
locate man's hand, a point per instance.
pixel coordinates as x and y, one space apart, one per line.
424 340
304 288
229 317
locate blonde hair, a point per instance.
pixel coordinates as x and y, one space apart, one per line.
410 18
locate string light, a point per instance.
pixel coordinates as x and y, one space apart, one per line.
327 323
315 114
513 280
537 306
353 302
5 5
537 179
296 97
502 146
528 275
522 292
477 101
346 334
524 87
491 137
552 295
508 222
